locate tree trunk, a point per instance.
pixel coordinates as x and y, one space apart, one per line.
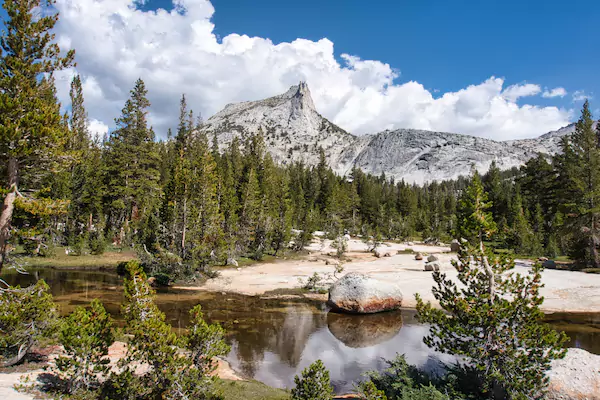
23 350
7 208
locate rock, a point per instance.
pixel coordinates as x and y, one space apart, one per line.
577 376
152 281
549 264
432 266
357 293
418 256
542 259
432 258
232 262
454 246
410 244
335 263
381 252
358 331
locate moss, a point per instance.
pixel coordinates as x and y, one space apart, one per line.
250 390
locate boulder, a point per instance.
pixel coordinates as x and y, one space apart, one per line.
382 252
542 259
432 266
418 256
335 263
432 258
549 264
357 293
152 281
577 376
454 246
232 262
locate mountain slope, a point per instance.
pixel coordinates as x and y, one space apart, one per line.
292 128
294 131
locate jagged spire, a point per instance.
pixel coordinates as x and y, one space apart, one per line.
301 100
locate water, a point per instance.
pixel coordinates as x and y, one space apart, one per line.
272 340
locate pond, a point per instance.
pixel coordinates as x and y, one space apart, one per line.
272 340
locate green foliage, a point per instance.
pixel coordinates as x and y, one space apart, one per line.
493 319
314 383
85 336
474 221
400 381
27 315
579 167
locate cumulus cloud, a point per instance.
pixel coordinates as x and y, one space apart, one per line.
580 95
556 92
512 93
177 52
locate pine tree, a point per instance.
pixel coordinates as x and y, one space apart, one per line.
314 383
31 130
474 222
581 173
493 322
131 161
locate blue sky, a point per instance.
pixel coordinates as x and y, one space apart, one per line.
445 45
497 69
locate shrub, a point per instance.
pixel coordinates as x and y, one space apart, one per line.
96 243
314 383
26 316
86 336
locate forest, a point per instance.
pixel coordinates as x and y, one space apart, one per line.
186 206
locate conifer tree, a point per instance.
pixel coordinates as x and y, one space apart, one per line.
581 172
32 135
493 321
132 164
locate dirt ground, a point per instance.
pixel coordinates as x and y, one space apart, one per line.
564 291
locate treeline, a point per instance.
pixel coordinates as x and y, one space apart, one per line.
188 204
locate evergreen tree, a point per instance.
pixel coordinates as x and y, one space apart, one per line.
493 322
32 134
581 172
314 383
131 161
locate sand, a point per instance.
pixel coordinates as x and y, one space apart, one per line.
564 291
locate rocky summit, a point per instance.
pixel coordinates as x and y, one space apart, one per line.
293 130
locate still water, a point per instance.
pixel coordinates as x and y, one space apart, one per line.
272 340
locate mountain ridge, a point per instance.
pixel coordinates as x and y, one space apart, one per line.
294 130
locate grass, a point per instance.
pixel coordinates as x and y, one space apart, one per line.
250 390
60 260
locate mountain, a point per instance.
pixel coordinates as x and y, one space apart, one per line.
294 131
292 128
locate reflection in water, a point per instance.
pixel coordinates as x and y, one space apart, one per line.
274 339
364 330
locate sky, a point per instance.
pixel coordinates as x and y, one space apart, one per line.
498 69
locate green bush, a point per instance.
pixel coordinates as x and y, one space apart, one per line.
314 383
85 336
96 243
27 315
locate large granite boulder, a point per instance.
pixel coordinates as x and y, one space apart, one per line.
577 376
361 294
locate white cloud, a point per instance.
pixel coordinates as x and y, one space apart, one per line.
97 128
580 95
556 92
512 93
177 52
